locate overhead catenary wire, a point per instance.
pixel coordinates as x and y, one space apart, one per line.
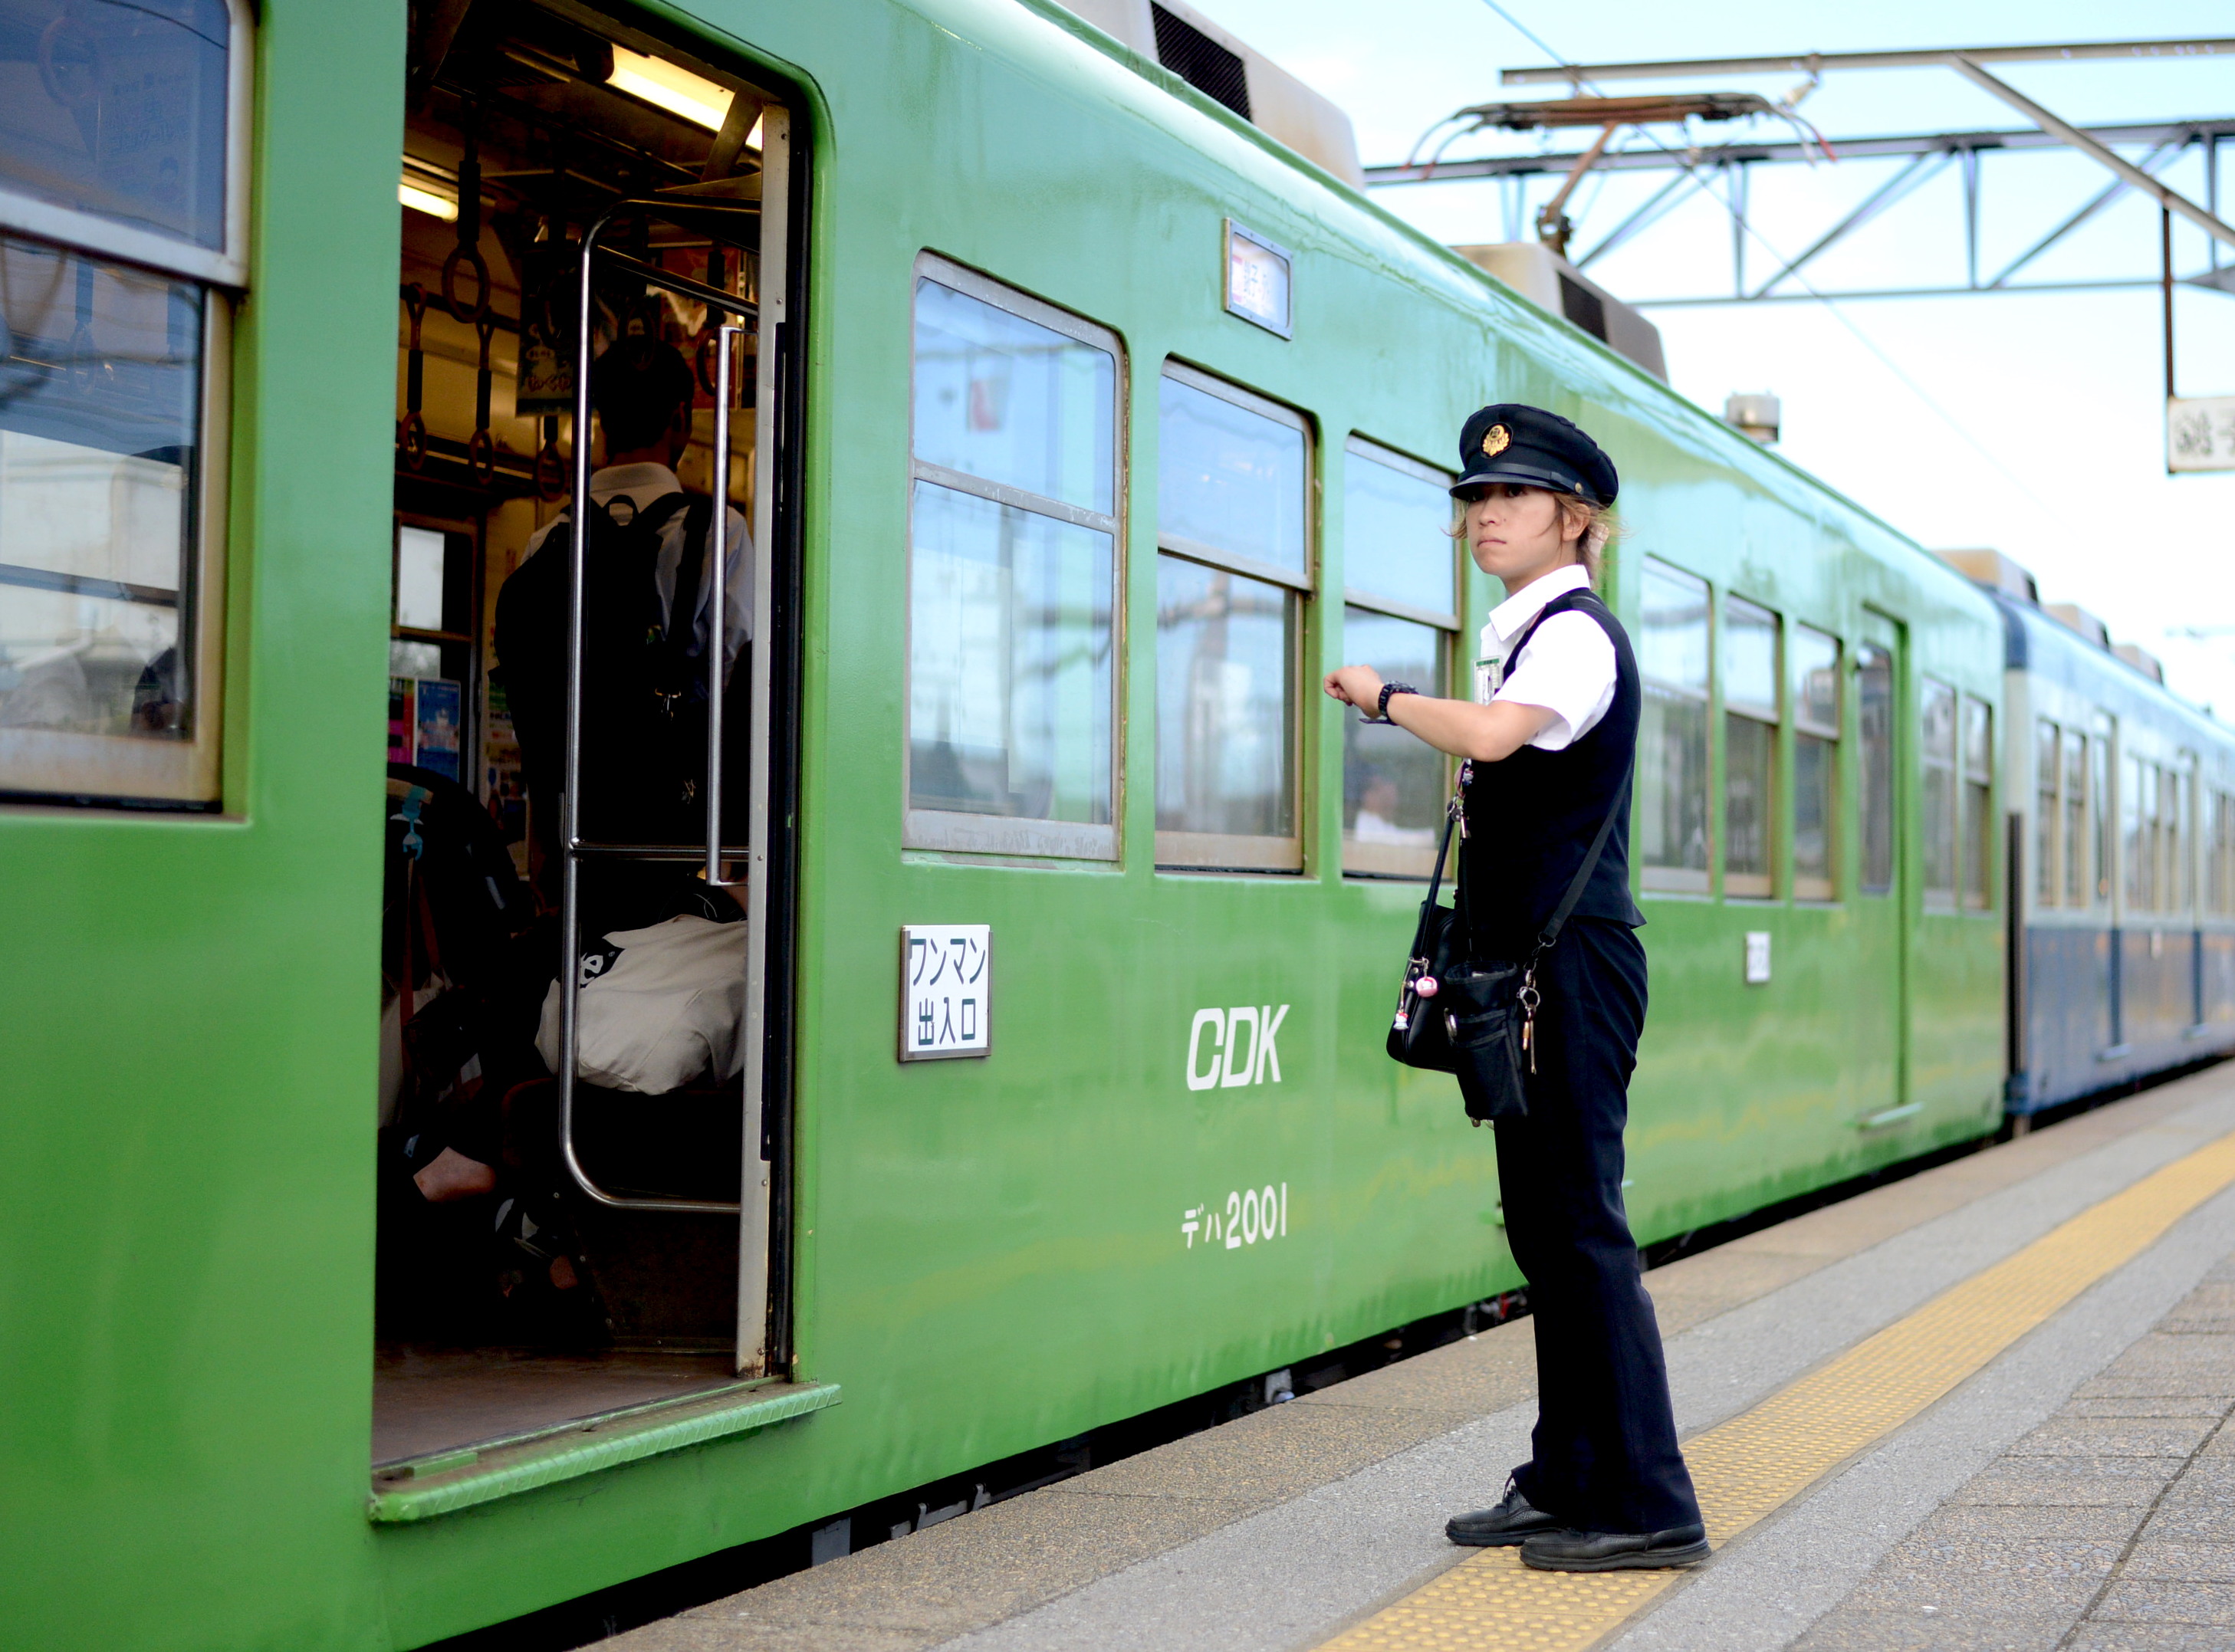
1746 227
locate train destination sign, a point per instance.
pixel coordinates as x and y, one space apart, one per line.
2201 433
947 991
1257 277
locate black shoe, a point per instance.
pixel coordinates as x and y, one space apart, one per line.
1513 1519
1565 1550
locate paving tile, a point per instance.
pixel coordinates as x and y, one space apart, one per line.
2035 1523
2115 1437
2092 1636
1466 1380
1850 1629
2156 1354
2204 1563
696 1634
2152 1601
2147 1386
2191 1520
2210 1405
1270 1456
2206 1479
2071 1482
969 1571
1993 1580
1695 1289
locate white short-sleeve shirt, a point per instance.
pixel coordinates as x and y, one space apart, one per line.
1568 667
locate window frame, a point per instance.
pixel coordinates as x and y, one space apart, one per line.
50 767
953 831
1750 886
220 267
2048 845
1938 897
1683 880
1382 860
1810 889
1218 852
1969 899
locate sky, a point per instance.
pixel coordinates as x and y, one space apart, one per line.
2033 424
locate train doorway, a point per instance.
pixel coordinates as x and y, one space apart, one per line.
1879 1013
583 1143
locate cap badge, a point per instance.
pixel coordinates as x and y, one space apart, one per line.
1495 441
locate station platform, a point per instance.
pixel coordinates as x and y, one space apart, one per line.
1986 1406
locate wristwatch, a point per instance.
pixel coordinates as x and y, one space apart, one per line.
1381 711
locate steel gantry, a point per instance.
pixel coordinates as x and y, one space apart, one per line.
1722 170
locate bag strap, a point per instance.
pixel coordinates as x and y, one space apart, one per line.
1443 851
1567 906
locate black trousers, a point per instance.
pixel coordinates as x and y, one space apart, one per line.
1604 1452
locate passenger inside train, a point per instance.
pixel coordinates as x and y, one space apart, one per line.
549 1248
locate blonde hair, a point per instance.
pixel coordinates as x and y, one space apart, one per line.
1600 529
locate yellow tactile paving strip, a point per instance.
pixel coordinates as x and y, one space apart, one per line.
1747 1467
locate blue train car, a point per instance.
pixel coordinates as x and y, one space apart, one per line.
2121 856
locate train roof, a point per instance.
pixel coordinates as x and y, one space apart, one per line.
2038 642
1152 93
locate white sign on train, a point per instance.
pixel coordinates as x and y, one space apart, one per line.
947 991
2201 433
1226 1060
1248 1216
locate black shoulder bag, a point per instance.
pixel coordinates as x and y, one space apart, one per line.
1460 1014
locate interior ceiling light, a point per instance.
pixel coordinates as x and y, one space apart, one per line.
697 99
427 201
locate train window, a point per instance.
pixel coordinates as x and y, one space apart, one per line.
2220 858
1874 691
107 575
1750 719
1013 567
2099 806
121 211
2172 811
1936 755
1671 820
2048 812
1978 793
1231 579
1813 661
2138 811
2078 891
1401 566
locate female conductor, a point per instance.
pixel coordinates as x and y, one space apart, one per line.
1605 1487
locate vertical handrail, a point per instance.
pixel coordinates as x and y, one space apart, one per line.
717 645
570 800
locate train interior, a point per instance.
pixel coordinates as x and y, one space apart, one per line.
542 1256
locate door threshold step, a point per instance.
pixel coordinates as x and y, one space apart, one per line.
437 1483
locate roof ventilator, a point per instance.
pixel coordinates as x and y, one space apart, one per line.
1201 62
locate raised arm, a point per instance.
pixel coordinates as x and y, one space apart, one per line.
1485 733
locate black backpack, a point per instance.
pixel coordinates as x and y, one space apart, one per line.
644 706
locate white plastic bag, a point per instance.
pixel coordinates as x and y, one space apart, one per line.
668 1007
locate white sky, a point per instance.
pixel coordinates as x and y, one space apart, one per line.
2030 423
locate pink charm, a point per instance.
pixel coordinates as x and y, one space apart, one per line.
1403 1021
1425 987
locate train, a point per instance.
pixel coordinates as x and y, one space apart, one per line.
1078 421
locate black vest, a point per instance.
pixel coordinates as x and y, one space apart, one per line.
1531 819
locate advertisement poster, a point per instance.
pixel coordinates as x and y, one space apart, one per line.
505 791
402 719
440 715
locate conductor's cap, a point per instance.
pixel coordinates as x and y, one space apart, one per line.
1513 442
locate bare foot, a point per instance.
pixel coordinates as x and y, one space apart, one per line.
453 1176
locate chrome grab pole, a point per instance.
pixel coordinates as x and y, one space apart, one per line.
570 843
717 643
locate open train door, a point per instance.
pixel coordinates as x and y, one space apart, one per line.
734 853
1879 1011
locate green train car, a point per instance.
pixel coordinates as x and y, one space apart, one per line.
1078 427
